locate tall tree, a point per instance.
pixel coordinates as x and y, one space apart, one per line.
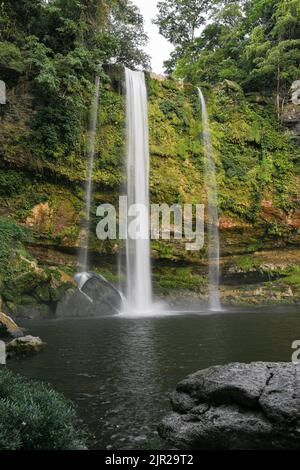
254 42
178 20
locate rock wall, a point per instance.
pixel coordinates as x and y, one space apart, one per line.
258 179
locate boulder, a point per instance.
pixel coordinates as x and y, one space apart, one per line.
25 346
236 406
93 298
8 328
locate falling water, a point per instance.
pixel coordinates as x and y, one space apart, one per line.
84 248
213 219
138 265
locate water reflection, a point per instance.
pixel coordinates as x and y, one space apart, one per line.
119 371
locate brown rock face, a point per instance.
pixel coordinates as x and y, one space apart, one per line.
40 218
273 214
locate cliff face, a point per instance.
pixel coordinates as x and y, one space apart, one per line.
258 178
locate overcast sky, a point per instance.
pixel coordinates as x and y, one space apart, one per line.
158 48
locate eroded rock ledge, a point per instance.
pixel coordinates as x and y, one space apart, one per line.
236 406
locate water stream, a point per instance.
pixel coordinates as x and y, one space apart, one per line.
212 211
138 264
84 248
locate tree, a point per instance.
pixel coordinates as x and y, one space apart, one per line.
273 49
59 46
253 42
215 53
125 32
178 20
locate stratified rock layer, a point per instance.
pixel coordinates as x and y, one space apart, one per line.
236 406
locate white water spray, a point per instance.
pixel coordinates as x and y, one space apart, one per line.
84 248
138 264
212 204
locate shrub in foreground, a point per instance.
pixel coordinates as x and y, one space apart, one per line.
35 417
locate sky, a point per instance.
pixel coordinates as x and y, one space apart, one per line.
158 48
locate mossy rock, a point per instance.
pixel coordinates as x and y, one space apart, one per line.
8 328
24 346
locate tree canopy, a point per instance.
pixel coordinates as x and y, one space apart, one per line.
253 42
59 46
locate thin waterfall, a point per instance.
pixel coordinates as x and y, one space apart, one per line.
138 264
212 205
84 247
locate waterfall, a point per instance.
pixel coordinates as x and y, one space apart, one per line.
84 247
212 205
138 264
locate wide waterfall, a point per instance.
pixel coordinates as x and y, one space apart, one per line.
84 248
138 264
212 206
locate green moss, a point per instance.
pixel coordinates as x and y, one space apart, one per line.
179 278
293 276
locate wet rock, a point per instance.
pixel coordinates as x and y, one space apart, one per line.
291 112
295 90
8 328
236 406
232 86
96 298
24 346
2 92
33 310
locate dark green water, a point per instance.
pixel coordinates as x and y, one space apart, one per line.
119 371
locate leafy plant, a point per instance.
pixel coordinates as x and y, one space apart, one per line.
35 417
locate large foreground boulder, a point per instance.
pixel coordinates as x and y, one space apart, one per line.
94 297
236 406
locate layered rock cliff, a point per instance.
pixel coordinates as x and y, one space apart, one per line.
258 170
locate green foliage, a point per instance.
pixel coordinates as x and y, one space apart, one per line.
59 47
179 278
12 236
253 42
178 20
11 183
10 56
35 417
293 276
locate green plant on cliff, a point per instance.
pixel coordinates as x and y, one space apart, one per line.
12 237
35 417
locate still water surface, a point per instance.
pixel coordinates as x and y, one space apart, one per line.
119 371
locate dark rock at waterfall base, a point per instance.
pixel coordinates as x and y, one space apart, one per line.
236 406
96 298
